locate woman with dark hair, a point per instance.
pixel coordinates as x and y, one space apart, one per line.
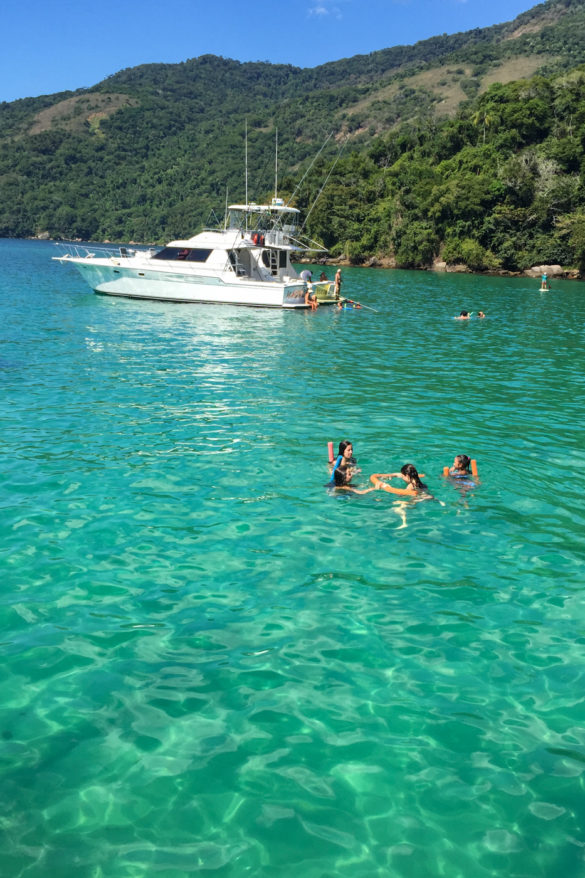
345 459
463 473
461 466
345 451
409 474
341 480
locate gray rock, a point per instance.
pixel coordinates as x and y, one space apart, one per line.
550 270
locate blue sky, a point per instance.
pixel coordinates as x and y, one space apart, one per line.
57 45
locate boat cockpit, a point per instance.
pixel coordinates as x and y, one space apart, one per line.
264 263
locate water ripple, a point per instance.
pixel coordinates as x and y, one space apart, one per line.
211 662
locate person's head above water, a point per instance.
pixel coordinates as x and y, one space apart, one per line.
410 472
464 314
462 463
345 449
341 477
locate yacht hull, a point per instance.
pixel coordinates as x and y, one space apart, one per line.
110 278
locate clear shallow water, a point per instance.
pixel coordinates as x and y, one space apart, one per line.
210 664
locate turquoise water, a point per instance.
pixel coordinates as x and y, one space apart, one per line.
212 665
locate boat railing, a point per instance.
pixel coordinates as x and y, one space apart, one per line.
304 243
98 251
276 238
283 238
86 251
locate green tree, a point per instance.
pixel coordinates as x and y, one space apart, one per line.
415 245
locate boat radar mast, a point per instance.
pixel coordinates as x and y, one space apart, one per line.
276 166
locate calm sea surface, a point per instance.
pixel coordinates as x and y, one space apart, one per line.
210 664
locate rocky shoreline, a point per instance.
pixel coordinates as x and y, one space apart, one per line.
556 272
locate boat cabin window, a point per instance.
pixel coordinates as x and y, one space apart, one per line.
183 254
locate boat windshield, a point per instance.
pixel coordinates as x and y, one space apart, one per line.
185 254
263 217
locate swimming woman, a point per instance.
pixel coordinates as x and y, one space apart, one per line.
342 482
463 472
461 466
409 474
464 467
345 458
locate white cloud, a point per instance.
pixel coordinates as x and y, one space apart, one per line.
323 8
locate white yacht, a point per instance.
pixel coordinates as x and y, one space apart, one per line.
247 262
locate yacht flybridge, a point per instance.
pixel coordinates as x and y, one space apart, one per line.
247 262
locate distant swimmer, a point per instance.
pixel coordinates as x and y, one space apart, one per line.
409 474
464 315
480 314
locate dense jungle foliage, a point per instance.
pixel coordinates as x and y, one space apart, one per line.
499 186
449 149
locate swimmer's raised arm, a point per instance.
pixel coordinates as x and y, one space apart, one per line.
375 479
408 473
392 476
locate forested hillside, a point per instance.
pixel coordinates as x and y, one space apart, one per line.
465 147
500 186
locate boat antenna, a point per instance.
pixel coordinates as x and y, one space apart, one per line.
212 217
298 186
246 162
225 216
276 167
324 184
